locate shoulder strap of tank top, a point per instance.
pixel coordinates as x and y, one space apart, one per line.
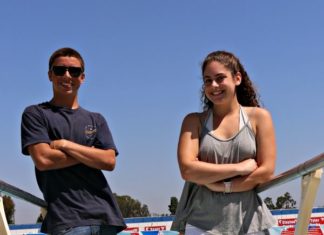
244 118
204 122
208 124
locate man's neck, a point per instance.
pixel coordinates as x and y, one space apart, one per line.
67 102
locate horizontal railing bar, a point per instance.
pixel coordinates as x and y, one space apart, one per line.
294 173
13 191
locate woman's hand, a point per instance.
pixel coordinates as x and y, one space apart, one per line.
247 166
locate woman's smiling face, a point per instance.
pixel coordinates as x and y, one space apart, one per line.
219 83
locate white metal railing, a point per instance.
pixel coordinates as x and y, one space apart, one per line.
15 192
310 172
294 173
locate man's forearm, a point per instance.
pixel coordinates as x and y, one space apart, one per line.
46 158
90 156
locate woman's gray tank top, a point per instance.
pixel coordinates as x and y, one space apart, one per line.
219 213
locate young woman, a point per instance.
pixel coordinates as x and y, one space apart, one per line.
224 153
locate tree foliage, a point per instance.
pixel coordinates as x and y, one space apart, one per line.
9 208
40 218
283 202
173 205
269 203
131 207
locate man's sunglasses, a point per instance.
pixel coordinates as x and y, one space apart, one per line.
61 70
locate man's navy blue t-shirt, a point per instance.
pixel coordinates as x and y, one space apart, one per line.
78 195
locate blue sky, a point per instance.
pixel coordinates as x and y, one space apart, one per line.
143 74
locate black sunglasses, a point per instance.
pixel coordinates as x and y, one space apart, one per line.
61 70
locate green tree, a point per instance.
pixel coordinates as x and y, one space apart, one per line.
283 202
269 203
9 208
40 218
131 208
173 205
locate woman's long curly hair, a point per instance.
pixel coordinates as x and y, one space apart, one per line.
245 92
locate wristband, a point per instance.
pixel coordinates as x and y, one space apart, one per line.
228 186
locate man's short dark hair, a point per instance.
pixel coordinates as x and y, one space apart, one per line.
66 51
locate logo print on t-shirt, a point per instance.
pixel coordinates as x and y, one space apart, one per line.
90 131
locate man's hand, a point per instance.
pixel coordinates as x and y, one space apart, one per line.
58 144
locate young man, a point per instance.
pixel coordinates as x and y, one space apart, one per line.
70 146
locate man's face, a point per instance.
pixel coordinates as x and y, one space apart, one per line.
66 75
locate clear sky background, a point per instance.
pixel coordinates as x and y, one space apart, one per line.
143 62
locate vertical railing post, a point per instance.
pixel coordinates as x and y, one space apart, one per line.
310 184
4 228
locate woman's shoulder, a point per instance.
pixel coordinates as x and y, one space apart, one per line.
258 117
194 121
195 117
257 112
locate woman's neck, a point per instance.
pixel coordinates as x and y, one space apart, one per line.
223 110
